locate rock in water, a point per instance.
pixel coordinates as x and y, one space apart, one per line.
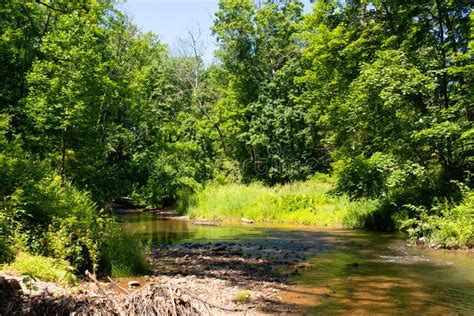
133 284
247 221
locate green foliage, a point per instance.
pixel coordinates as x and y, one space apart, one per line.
75 239
42 268
91 110
58 220
386 92
123 255
170 177
242 296
28 281
365 177
302 202
269 133
443 225
6 251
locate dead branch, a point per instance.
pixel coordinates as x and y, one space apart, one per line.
117 286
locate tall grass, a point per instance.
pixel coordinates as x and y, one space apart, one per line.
306 203
123 255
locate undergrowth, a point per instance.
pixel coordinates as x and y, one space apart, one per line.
308 203
123 256
443 225
42 268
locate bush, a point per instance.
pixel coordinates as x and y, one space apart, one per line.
443 225
6 252
76 239
60 221
365 177
227 171
169 176
123 255
43 215
43 268
382 218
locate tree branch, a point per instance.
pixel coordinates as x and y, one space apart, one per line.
35 29
50 6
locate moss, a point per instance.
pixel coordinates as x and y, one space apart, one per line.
242 296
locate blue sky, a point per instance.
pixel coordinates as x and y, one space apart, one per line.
172 19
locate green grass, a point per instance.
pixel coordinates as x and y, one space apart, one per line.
41 268
242 296
124 255
307 203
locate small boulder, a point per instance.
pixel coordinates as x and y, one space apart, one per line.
247 221
133 284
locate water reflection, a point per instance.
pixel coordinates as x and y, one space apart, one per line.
347 271
154 230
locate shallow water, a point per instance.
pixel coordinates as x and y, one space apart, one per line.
344 271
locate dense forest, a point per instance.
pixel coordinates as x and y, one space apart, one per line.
373 97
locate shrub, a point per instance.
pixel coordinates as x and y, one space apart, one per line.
76 239
443 225
363 177
6 252
40 267
169 177
227 171
123 255
60 221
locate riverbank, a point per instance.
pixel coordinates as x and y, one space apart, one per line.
226 278
307 203
315 203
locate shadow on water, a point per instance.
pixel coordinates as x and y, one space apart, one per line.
382 276
334 271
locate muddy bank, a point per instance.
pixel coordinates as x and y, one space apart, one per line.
223 271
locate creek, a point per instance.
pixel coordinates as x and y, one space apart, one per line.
339 271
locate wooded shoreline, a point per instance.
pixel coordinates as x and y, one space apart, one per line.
354 114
